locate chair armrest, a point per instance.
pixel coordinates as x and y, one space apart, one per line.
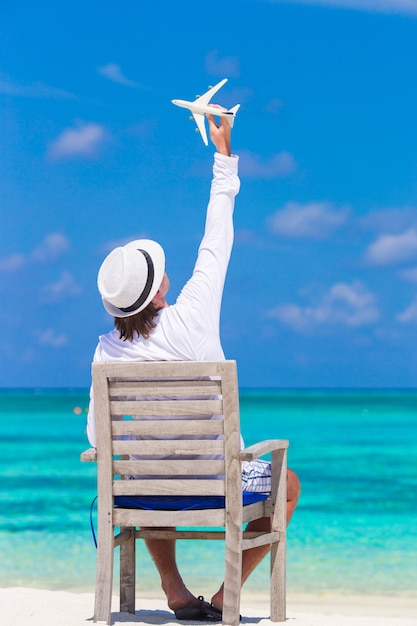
89 456
263 447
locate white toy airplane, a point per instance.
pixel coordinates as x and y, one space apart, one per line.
201 106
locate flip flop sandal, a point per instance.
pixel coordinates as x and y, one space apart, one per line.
216 615
203 613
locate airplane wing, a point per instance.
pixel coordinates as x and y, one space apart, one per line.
206 97
199 120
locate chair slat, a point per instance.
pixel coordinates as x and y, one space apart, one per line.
171 427
138 517
166 407
169 467
165 447
176 388
173 487
160 369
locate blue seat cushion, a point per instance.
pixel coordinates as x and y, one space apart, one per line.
182 503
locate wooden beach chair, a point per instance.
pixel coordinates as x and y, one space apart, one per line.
179 399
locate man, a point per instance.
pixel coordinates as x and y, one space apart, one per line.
133 285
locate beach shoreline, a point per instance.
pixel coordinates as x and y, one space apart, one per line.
25 606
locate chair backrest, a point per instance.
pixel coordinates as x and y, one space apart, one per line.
173 425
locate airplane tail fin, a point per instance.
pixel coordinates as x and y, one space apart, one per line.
231 118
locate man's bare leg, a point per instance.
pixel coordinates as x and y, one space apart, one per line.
162 552
251 558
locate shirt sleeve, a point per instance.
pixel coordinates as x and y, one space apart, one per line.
199 302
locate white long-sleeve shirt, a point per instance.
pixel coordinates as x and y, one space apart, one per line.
189 329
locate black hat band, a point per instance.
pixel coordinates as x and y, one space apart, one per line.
147 288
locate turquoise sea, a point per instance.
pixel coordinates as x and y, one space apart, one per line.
355 530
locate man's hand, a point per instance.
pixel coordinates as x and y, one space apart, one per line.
220 133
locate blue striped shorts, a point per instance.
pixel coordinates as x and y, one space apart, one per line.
256 476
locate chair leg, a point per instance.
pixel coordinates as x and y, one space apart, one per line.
232 575
278 548
128 572
104 575
278 581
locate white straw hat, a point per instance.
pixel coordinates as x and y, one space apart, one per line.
130 276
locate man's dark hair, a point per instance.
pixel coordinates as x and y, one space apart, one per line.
143 323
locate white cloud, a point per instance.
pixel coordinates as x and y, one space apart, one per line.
113 72
313 220
12 263
52 247
400 7
393 249
409 315
50 338
254 166
345 304
9 87
391 220
82 141
409 274
222 66
65 286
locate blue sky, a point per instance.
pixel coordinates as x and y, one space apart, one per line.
321 290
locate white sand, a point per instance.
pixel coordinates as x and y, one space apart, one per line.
34 607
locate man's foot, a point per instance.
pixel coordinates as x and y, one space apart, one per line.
181 598
217 600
